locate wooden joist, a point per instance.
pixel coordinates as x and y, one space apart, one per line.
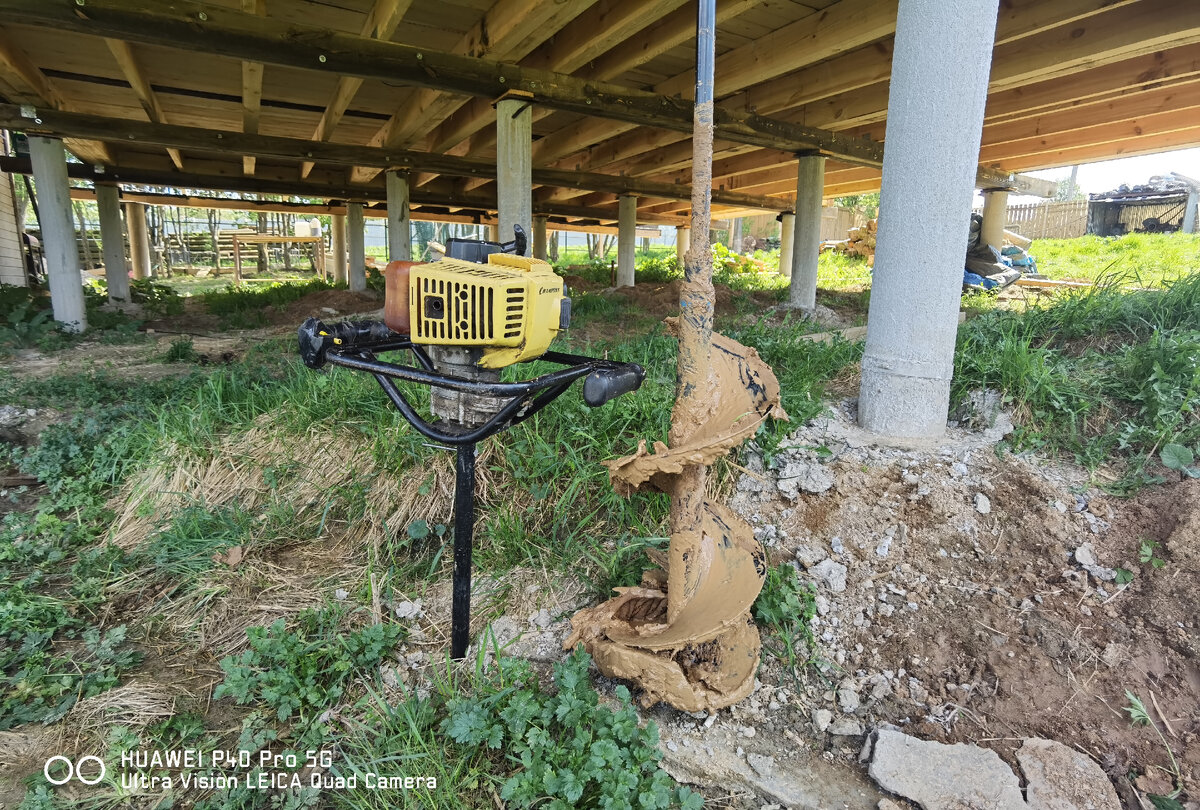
203 27
51 122
132 71
380 24
481 204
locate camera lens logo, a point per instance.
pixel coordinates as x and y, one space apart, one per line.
75 770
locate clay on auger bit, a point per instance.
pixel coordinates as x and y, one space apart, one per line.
705 656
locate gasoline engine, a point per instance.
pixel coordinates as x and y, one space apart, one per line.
462 320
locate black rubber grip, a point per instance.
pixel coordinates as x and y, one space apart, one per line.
606 384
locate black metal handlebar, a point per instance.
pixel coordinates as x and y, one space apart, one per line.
354 345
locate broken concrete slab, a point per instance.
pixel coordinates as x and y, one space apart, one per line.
802 784
1061 778
943 777
800 475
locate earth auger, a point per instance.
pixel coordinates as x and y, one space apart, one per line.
461 320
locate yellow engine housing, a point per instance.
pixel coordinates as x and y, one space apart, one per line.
511 307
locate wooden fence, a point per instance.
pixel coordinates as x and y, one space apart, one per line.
1048 220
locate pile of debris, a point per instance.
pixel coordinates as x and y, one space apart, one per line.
991 268
860 242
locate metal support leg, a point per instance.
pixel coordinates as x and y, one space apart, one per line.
464 520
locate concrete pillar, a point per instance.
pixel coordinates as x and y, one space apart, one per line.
514 166
995 216
399 225
626 239
539 238
112 235
357 247
935 118
806 233
787 238
139 240
337 239
1191 215
49 160
735 235
683 241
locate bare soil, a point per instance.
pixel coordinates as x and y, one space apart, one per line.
970 621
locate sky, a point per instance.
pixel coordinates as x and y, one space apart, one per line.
1107 175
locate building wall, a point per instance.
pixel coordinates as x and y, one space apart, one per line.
12 266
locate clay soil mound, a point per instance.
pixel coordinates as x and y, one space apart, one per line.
343 303
966 597
662 300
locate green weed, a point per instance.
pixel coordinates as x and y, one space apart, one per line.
1139 716
786 609
299 673
181 350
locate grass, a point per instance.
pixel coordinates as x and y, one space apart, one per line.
1146 259
1103 375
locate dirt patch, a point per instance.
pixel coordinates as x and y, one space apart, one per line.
953 601
328 304
662 300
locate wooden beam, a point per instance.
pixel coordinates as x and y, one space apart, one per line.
1174 99
205 28
669 32
1110 24
597 30
252 79
123 52
1183 118
1118 79
380 24
301 188
19 72
268 146
508 31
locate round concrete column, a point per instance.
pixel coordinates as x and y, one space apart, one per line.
357 248
337 240
787 239
939 84
806 239
683 240
399 226
139 240
626 240
49 160
995 217
112 235
539 238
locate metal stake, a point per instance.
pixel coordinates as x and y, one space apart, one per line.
464 520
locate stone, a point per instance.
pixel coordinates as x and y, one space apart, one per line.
822 719
1085 555
763 765
808 556
833 574
408 610
800 475
1060 778
541 619
888 804
848 700
847 727
943 777
983 504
